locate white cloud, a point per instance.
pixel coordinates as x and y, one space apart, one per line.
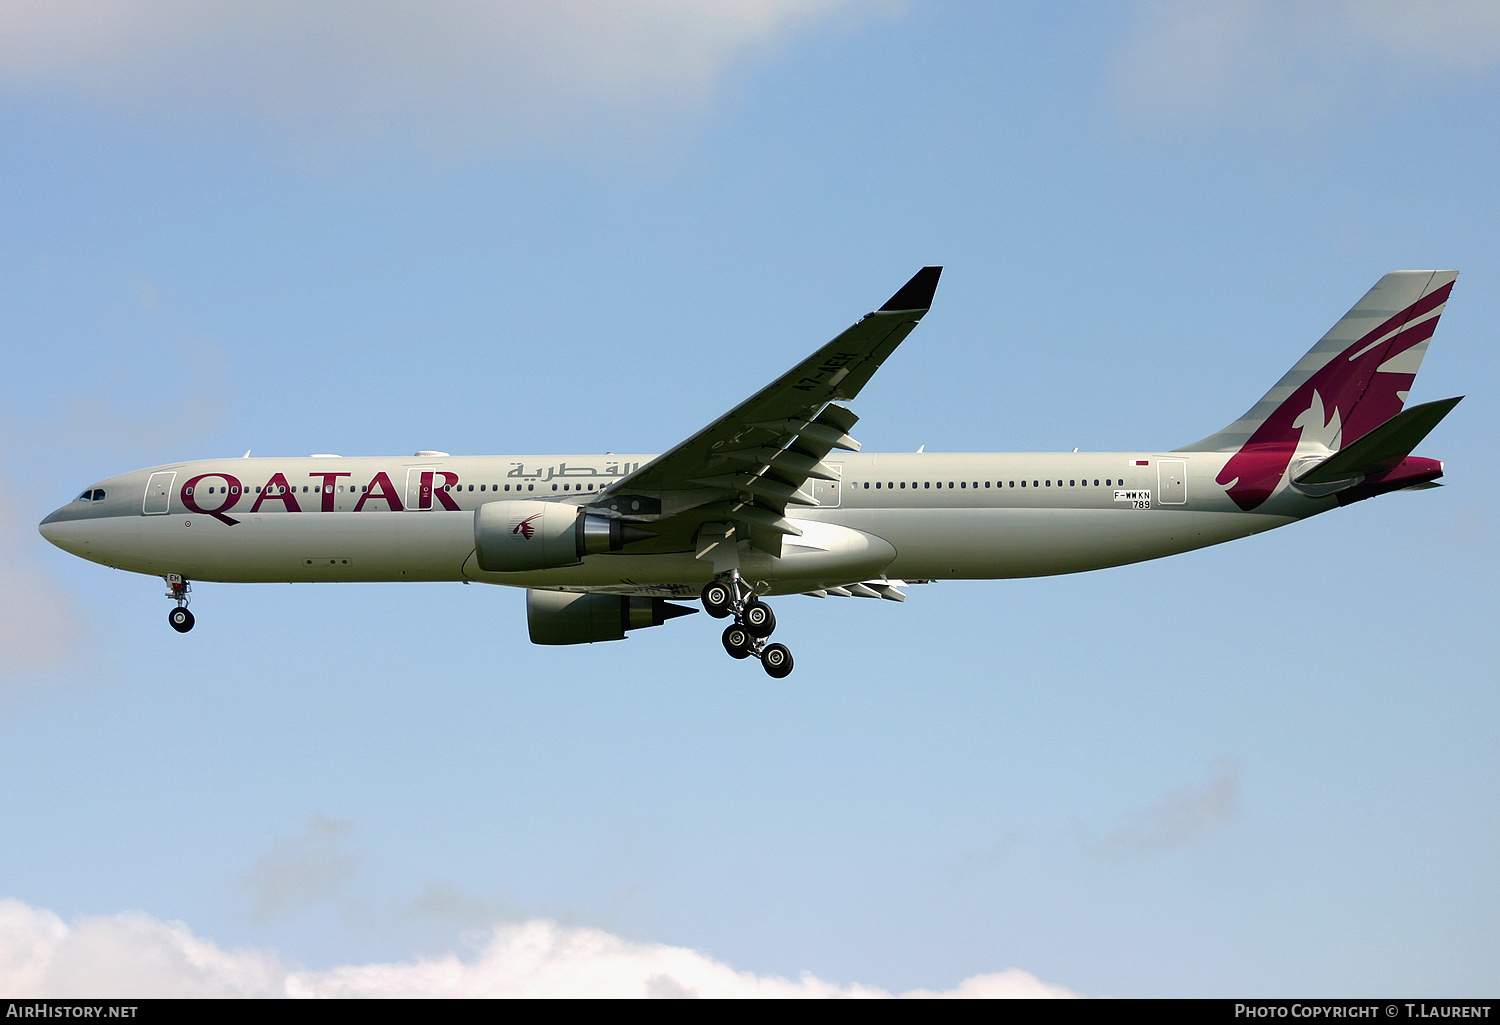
1191 63
122 955
453 74
1179 819
134 955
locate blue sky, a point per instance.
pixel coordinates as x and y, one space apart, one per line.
1268 768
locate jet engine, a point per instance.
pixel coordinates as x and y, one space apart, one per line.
512 537
560 617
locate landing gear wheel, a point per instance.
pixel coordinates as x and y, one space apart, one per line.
759 619
181 620
738 641
776 660
718 599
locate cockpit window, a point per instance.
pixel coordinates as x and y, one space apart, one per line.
92 495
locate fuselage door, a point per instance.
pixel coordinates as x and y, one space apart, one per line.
419 487
159 493
827 492
1171 481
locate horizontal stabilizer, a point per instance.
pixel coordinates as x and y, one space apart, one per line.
1383 448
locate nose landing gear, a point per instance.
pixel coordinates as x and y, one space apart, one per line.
729 595
177 589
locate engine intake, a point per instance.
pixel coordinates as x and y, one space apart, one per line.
513 537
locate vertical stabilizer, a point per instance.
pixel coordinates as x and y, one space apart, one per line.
1355 379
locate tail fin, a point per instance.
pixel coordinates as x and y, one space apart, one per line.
1355 379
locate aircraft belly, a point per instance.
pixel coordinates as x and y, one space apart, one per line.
825 555
282 547
991 543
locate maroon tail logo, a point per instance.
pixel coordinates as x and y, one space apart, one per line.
1350 394
525 528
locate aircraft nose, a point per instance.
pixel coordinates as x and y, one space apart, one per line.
55 528
51 521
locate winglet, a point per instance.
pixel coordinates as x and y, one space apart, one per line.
917 293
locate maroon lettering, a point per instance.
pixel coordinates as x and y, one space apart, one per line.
232 497
426 490
272 492
328 479
386 493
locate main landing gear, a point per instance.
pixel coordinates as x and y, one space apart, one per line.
177 589
754 621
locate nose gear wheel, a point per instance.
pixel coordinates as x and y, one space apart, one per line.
177 589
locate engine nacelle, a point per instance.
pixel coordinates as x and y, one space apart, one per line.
560 617
512 537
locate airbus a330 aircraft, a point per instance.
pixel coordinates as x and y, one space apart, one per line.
775 497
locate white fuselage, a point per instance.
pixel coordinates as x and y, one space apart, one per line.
955 515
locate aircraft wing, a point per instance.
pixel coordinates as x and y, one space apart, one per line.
750 464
